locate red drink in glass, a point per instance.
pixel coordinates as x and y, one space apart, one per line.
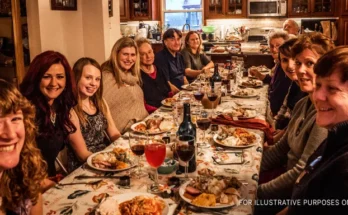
155 154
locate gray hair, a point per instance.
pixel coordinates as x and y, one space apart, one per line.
278 34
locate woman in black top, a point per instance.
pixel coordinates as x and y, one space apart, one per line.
49 85
326 175
155 86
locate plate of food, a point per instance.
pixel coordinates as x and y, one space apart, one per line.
236 137
244 93
213 192
133 203
190 87
153 126
252 83
168 102
112 160
262 68
242 113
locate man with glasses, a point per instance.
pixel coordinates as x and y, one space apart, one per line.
170 61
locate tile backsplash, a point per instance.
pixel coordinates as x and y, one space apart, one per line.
131 27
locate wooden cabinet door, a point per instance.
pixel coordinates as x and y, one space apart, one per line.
343 31
322 7
344 7
235 8
124 10
140 10
299 8
215 9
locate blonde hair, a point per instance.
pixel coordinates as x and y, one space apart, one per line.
23 181
97 98
112 64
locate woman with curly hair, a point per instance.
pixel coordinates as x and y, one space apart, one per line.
49 84
97 127
21 166
122 84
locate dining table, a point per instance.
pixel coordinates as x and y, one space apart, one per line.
73 195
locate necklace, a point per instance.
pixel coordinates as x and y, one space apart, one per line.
53 118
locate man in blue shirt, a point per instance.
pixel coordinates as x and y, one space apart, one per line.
170 61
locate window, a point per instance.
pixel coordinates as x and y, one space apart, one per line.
176 13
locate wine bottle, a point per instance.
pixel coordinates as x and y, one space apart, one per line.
187 128
216 79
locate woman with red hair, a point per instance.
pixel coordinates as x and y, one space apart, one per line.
49 84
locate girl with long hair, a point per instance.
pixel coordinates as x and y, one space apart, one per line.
97 126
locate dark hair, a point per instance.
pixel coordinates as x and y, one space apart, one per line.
97 98
285 48
332 61
169 33
314 41
30 88
23 181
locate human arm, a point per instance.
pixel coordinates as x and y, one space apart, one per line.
46 184
37 209
111 130
76 139
173 88
185 80
283 212
282 185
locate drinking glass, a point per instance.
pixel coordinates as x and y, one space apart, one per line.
185 149
138 148
155 152
203 123
212 96
198 94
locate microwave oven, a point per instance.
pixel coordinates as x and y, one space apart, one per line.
266 8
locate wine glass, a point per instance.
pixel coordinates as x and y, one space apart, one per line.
185 149
155 152
198 94
138 148
203 123
212 96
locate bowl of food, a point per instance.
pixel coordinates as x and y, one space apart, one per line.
168 166
208 29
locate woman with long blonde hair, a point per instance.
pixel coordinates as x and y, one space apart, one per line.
22 168
97 126
122 84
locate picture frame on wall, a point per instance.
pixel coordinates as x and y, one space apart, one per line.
64 4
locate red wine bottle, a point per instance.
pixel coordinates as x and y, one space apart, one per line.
216 79
187 132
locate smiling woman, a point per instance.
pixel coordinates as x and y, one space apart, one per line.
21 166
328 165
49 85
121 83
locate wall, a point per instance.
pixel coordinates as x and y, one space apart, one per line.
85 32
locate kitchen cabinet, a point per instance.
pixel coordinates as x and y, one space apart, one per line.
311 8
344 7
217 9
344 31
124 16
137 10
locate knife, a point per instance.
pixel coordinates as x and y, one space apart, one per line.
96 176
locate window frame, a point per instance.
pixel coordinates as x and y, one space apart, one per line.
163 3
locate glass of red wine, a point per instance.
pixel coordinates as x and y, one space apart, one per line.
155 152
137 146
185 149
203 123
212 96
199 94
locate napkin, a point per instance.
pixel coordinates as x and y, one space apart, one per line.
225 119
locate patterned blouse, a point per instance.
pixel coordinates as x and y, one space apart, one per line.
95 136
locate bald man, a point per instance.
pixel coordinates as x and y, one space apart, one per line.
291 27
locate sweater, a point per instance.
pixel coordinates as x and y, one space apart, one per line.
326 179
126 102
194 61
300 140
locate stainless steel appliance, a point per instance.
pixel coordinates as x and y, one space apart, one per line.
266 8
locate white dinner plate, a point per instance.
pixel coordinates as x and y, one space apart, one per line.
182 189
143 132
128 196
189 87
166 103
233 141
130 163
241 96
